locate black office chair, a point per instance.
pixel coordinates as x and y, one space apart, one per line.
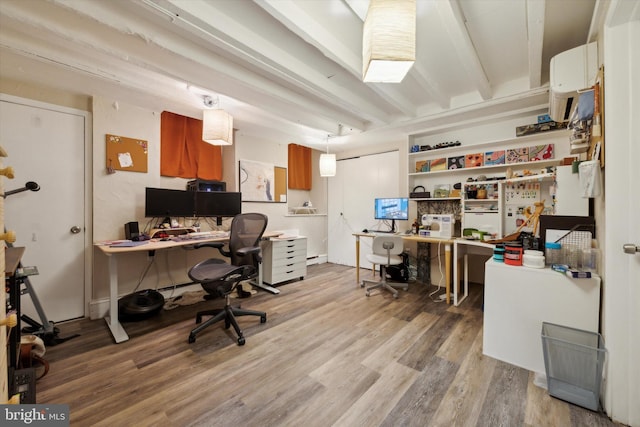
220 278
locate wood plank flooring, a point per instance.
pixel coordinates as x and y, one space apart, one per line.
327 356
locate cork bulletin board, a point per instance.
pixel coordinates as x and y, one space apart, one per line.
126 154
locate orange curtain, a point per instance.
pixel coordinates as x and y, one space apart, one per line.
299 167
183 153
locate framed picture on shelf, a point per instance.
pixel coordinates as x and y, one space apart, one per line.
441 190
438 164
455 162
423 166
541 152
517 155
473 160
493 158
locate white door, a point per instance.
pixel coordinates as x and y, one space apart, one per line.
621 298
351 192
47 146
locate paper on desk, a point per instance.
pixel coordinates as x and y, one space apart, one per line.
127 244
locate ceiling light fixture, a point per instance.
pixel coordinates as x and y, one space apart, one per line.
217 124
327 163
388 40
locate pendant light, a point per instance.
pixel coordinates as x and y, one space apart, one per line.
389 40
217 124
327 163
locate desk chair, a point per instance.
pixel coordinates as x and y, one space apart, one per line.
385 253
220 278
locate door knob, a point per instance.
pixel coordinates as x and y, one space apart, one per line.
75 229
630 248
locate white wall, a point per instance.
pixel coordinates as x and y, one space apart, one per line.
119 198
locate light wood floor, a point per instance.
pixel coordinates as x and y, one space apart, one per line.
327 356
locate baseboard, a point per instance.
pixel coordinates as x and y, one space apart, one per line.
317 259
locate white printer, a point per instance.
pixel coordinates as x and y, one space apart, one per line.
438 225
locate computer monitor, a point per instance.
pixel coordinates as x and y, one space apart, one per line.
392 208
218 203
163 202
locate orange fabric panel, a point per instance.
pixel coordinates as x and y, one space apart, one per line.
183 153
299 167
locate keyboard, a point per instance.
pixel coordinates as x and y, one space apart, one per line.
207 234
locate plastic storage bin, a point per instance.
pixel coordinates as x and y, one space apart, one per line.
573 360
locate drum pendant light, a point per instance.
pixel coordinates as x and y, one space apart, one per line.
217 126
327 163
389 40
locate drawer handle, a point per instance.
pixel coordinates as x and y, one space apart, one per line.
289 272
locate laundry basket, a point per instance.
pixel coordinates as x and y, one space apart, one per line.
573 360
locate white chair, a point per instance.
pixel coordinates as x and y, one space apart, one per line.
385 251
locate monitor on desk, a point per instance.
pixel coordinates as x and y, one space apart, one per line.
392 208
163 202
218 203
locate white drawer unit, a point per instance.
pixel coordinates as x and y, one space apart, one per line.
284 259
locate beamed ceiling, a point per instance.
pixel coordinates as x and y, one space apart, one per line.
291 69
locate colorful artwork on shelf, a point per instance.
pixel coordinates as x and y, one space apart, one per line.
439 164
541 152
456 162
423 166
517 155
492 158
473 160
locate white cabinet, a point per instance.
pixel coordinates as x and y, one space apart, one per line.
518 299
284 259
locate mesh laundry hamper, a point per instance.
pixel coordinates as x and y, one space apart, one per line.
573 360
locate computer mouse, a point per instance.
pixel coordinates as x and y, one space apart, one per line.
365 231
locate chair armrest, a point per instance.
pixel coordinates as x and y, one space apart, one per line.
249 250
215 245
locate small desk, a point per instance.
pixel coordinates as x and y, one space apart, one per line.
464 247
420 239
118 332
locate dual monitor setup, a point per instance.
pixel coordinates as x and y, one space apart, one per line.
211 201
392 208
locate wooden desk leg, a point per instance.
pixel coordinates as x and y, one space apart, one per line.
358 259
447 264
118 332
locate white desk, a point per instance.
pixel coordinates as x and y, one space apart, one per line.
464 247
518 299
420 239
118 332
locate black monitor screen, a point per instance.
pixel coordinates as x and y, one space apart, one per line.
218 203
167 203
392 208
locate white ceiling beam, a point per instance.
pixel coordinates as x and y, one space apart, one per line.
535 37
275 55
454 21
307 27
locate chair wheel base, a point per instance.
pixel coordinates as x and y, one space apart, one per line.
241 341
263 319
192 338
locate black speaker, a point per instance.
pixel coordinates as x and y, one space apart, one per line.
131 230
